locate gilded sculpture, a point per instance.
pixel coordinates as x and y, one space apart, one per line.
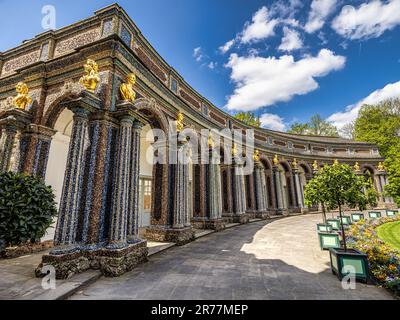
335 162
356 167
294 163
275 160
23 99
256 155
381 167
179 122
234 149
91 79
315 165
210 141
126 88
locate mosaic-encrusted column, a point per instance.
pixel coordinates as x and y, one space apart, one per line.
238 193
72 189
35 148
12 127
133 208
122 184
7 144
215 194
278 188
259 185
298 188
181 217
382 182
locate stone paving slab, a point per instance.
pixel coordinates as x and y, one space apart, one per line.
262 260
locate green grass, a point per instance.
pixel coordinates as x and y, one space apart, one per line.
390 233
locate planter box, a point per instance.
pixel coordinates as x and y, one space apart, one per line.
324 227
328 240
350 258
345 220
335 223
374 214
357 217
391 213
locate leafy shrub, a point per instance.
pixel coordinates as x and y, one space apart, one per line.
27 208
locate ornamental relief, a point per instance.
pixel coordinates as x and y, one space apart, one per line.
71 43
12 65
68 88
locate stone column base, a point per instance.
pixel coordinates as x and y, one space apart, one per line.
236 218
111 262
206 223
262 215
251 214
180 236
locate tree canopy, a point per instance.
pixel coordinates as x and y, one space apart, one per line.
249 118
337 185
380 124
316 127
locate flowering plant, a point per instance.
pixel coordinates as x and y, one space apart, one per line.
383 260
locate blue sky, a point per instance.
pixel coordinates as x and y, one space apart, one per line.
286 61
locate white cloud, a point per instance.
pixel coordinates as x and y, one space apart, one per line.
290 41
369 20
261 27
391 90
197 54
212 65
263 81
272 121
320 10
225 48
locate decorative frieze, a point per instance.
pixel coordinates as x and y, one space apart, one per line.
69 44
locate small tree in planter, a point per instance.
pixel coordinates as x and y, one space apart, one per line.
313 194
27 208
341 186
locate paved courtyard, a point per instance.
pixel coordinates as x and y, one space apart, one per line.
275 260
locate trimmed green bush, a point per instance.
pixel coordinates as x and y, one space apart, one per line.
27 208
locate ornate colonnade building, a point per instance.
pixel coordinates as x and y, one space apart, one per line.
87 133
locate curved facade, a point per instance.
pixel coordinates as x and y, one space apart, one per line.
90 147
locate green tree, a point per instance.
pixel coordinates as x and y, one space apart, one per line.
314 195
315 127
338 186
321 127
298 128
380 124
348 131
249 118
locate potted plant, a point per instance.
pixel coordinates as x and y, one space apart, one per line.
357 216
313 196
340 186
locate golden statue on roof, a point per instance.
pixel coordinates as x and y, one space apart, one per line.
91 78
256 155
179 122
356 167
126 88
23 99
315 165
275 160
294 163
210 141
